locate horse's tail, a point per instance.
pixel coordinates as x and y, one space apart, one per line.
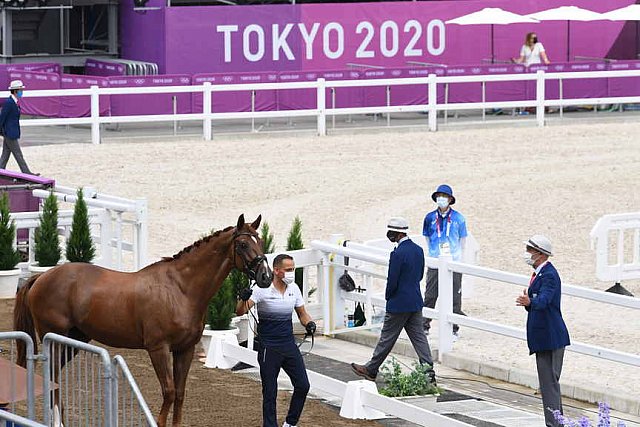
23 320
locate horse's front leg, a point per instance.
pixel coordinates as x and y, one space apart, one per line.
181 365
161 360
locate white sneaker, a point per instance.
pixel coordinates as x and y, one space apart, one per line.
286 424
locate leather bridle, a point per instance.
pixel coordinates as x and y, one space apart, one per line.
250 265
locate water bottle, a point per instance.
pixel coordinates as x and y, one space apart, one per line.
350 321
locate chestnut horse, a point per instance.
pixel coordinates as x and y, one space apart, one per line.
160 308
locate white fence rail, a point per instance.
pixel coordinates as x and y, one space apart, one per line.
616 239
119 226
322 110
370 263
446 268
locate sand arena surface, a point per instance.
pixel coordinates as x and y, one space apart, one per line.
509 183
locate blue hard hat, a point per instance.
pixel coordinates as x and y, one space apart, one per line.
445 189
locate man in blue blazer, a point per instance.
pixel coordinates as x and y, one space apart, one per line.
10 128
547 334
404 303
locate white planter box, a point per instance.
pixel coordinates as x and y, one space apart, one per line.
208 333
35 268
242 323
9 283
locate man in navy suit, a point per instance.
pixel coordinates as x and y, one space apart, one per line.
404 303
10 128
547 334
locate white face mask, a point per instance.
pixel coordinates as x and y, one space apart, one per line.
442 202
528 258
289 277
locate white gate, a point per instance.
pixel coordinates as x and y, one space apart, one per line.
616 239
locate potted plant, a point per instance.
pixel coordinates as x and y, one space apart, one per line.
9 256
411 385
220 311
47 245
80 246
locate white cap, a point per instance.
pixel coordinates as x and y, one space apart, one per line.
541 244
399 224
16 84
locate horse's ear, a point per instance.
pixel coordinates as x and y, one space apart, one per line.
255 224
240 222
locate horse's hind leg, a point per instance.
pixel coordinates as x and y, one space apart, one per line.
161 360
181 365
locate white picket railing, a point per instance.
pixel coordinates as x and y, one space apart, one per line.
119 226
322 110
370 264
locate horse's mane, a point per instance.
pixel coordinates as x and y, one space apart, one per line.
195 245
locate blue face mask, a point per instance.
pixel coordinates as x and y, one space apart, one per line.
19 94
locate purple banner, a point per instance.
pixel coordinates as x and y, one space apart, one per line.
40 106
236 101
95 67
41 67
162 103
624 86
571 89
343 97
223 39
80 106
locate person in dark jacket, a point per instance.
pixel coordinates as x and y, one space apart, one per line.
404 303
10 128
547 334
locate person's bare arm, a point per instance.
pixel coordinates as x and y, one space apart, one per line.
544 57
519 60
243 307
303 315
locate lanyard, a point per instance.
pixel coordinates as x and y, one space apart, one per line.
448 227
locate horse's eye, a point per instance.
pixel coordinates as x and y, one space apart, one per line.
243 245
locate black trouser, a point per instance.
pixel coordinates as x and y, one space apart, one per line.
431 295
271 359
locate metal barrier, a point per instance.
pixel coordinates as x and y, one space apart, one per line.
17 420
84 388
130 408
81 386
26 340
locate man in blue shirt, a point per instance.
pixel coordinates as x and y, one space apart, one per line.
547 334
404 303
278 349
445 231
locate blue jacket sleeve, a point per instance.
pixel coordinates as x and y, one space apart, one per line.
395 264
4 113
548 288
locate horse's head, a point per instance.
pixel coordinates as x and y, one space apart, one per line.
247 252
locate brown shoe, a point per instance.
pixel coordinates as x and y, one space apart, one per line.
362 371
